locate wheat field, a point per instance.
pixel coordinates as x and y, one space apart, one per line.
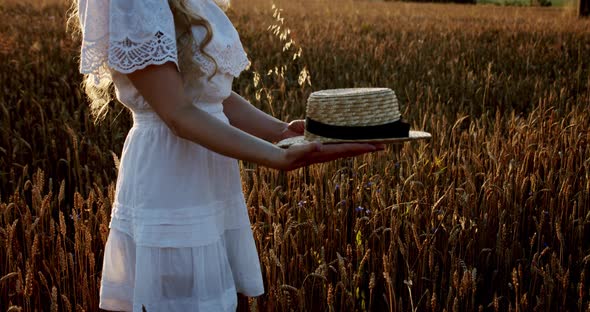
491 214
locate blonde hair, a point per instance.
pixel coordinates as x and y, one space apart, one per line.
101 94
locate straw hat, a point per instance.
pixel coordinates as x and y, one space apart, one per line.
354 115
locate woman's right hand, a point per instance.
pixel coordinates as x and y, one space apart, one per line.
301 155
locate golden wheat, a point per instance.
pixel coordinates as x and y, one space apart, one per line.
490 214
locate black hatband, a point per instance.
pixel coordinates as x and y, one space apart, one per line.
397 129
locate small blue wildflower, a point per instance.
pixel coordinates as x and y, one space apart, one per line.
369 184
368 211
301 203
359 209
337 186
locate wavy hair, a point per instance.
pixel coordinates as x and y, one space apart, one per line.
101 94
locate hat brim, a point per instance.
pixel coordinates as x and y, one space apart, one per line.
413 136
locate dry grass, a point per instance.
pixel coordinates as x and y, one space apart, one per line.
492 214
34 4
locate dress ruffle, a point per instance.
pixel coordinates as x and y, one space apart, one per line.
225 48
204 278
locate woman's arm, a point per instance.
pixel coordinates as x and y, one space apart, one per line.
247 117
161 86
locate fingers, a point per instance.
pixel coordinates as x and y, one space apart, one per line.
311 153
297 126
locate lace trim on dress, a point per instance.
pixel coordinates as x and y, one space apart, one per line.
225 47
92 60
231 59
126 56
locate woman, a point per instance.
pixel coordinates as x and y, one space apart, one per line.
180 237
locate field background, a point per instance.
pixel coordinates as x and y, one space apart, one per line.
492 214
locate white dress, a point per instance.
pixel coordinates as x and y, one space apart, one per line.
180 238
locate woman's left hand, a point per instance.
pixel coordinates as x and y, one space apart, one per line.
293 129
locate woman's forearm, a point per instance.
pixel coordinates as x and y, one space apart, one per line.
224 139
248 118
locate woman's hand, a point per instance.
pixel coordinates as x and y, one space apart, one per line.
300 155
292 129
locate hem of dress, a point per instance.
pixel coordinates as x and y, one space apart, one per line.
209 305
123 296
228 301
254 293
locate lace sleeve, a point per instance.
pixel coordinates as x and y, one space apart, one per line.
225 48
125 36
